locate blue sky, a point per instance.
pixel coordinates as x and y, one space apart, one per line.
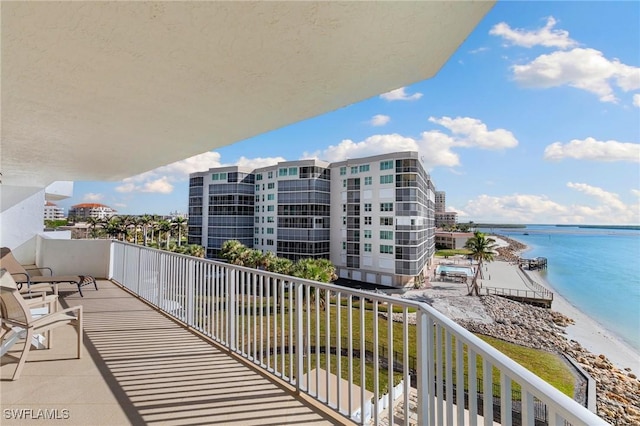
534 119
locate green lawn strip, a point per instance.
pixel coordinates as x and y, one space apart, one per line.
548 366
544 364
452 252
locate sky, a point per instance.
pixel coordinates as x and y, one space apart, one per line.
534 119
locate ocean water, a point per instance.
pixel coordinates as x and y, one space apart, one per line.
597 270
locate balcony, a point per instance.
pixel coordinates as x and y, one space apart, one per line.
172 339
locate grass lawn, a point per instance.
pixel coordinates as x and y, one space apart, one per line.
548 366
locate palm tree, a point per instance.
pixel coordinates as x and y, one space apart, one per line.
482 249
232 251
164 226
144 221
317 270
180 223
93 222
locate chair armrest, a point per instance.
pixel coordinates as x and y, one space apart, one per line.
19 282
64 311
41 269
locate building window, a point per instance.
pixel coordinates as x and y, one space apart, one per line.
367 247
269 208
257 219
386 235
271 185
367 180
367 233
270 175
367 220
258 187
293 171
385 249
344 220
354 170
256 241
271 197
257 230
270 219
386 207
259 176
282 172
386 165
344 183
364 168
269 230
386 221
269 242
215 176
386 179
367 207
343 171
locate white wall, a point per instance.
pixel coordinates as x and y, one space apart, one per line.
21 219
74 257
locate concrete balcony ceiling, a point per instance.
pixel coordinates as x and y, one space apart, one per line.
106 90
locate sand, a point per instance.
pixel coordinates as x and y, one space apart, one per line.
592 335
451 300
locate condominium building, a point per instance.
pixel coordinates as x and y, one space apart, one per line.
292 209
372 217
382 219
82 212
52 211
221 207
442 216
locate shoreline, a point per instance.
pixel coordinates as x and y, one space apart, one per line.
586 330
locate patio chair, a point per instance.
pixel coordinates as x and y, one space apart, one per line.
37 282
18 322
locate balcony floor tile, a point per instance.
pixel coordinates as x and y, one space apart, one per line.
140 367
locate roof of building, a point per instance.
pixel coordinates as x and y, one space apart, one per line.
89 206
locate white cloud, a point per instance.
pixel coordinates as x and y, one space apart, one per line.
636 100
585 69
256 163
400 95
606 208
161 179
379 120
636 192
92 197
472 132
435 147
160 186
546 36
592 149
478 50
608 199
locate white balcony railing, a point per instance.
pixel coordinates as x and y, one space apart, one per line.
336 344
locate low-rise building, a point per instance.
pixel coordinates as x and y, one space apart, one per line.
52 211
82 212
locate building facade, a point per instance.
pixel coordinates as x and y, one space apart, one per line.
82 212
52 211
373 217
221 208
293 208
442 216
382 219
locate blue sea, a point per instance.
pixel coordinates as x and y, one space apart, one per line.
595 269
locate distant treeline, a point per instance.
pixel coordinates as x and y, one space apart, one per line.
632 227
498 225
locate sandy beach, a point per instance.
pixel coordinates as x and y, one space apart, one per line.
612 363
591 334
585 330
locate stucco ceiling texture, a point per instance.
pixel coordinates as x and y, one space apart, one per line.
106 90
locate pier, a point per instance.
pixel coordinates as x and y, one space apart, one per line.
513 282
